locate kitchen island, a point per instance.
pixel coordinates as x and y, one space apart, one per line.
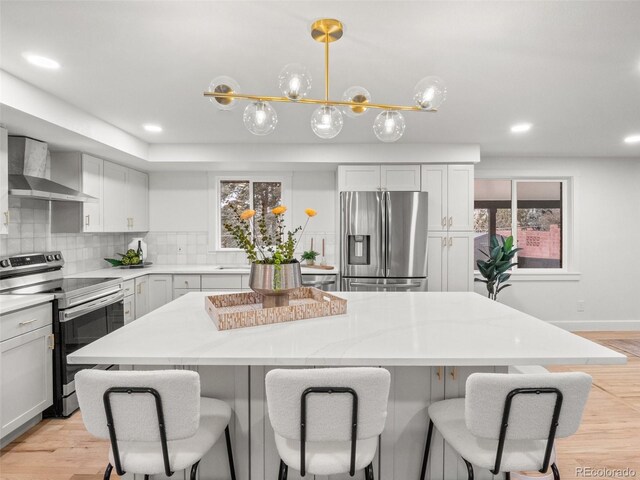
430 342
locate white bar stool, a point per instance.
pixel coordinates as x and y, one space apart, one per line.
327 420
508 422
156 420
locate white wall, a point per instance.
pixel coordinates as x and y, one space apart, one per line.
607 238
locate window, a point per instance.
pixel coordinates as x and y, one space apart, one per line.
236 194
538 223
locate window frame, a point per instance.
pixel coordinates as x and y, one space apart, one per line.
215 230
569 269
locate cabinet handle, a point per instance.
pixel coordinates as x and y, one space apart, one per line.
127 312
87 220
439 373
450 221
6 217
444 241
444 221
27 322
454 373
140 288
131 222
451 241
51 341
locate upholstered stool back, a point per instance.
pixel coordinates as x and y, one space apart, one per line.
135 415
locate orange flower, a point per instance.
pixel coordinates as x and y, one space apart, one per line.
247 214
279 210
310 212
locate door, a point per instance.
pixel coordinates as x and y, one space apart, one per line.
400 178
115 198
384 284
160 290
460 262
460 198
4 182
25 371
437 261
406 234
138 185
142 296
359 178
92 173
362 234
434 181
129 306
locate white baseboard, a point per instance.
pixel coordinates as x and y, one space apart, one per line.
597 325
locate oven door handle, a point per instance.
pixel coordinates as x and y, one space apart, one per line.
80 310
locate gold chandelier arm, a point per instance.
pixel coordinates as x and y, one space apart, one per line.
313 101
326 68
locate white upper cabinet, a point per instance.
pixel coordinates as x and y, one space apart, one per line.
4 182
92 173
450 190
115 198
126 199
372 178
358 178
398 178
138 201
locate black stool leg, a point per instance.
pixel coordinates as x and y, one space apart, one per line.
507 475
232 468
194 470
556 472
146 477
425 457
469 469
282 471
107 472
368 472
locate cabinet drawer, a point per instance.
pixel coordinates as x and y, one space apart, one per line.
178 292
186 281
24 321
129 287
213 282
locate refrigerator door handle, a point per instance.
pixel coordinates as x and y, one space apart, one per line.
386 222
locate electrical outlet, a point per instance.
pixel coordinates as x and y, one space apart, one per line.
581 305
182 248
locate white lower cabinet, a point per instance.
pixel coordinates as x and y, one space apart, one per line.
142 296
26 378
129 306
160 290
178 292
450 261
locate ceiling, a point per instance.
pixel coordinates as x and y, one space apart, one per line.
570 68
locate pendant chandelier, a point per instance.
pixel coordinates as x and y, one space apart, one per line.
260 117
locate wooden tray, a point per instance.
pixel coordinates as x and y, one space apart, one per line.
238 310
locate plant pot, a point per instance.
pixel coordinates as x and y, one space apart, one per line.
310 262
275 282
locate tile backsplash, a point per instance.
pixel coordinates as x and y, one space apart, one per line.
30 231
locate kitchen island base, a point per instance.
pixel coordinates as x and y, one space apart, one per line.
401 444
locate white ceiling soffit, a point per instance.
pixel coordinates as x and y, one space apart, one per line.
570 68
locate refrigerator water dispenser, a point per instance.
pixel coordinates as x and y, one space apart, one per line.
359 249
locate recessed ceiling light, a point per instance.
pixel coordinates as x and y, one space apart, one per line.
521 127
632 139
40 61
152 128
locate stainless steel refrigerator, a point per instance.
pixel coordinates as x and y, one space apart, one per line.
383 241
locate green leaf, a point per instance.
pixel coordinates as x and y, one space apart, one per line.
503 287
114 262
504 268
503 277
508 243
480 280
493 242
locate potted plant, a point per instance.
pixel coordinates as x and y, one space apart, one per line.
495 268
310 256
274 270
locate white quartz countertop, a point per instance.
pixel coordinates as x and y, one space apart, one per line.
11 303
129 273
387 329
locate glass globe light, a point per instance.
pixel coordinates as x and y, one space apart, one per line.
429 93
223 84
326 121
389 126
260 118
358 95
294 81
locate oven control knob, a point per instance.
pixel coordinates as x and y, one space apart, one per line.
58 256
49 258
5 263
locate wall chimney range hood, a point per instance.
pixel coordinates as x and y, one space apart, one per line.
28 173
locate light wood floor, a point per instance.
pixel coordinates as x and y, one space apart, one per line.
608 438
